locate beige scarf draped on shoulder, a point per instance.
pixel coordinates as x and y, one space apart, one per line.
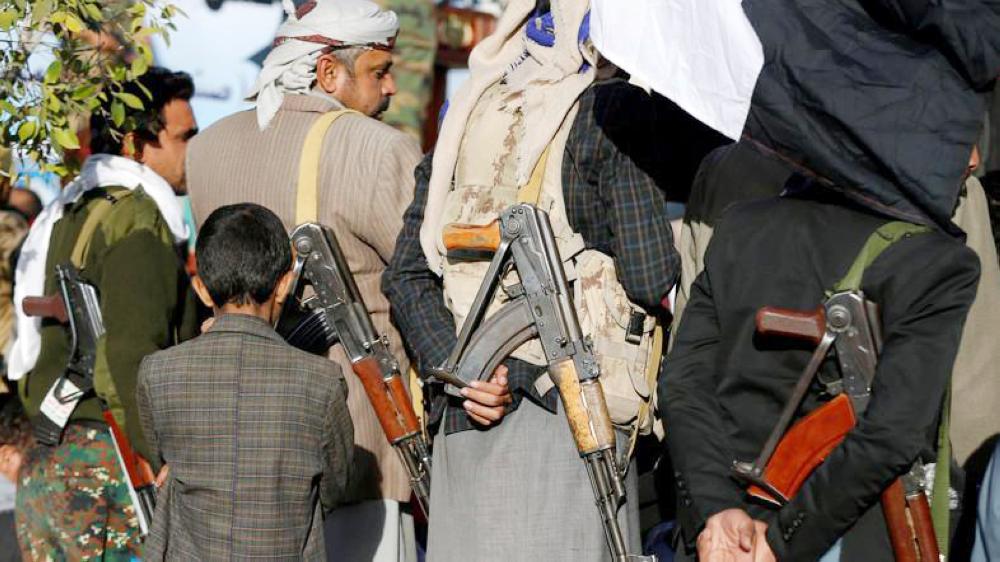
545 81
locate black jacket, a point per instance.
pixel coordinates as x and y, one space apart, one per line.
723 388
881 97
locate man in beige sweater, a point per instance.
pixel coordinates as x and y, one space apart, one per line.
328 56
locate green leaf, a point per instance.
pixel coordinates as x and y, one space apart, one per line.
55 168
40 11
58 17
52 100
117 113
94 12
143 33
7 107
145 91
172 10
26 130
130 100
84 92
73 23
53 72
139 66
7 19
66 138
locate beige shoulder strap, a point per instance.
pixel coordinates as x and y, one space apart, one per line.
98 213
531 192
652 374
307 190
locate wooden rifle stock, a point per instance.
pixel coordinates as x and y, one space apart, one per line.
138 472
474 237
51 306
923 526
807 326
894 509
804 447
390 401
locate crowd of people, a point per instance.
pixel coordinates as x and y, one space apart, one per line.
735 370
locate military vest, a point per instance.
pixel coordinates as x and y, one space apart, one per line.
483 186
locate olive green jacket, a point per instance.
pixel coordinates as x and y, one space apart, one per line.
146 304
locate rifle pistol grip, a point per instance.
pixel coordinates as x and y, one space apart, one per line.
472 237
805 325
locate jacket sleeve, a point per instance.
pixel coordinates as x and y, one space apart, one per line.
138 290
338 446
924 285
696 436
608 146
965 30
144 404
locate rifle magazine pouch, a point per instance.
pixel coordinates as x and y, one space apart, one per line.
622 336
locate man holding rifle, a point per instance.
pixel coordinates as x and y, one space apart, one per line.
120 224
881 137
531 126
322 88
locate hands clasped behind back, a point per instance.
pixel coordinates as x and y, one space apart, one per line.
733 536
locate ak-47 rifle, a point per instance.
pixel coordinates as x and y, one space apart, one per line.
541 305
336 313
849 324
77 304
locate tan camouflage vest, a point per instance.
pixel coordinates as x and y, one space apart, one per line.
483 186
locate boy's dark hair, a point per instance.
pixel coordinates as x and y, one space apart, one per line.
164 85
242 252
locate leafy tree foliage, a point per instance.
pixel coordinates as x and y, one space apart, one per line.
61 59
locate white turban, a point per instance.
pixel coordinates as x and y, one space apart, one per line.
316 25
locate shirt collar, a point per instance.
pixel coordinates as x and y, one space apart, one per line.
246 324
312 102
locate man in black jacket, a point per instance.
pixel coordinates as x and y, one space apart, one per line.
881 109
724 388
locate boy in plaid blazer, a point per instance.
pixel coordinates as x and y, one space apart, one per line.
255 433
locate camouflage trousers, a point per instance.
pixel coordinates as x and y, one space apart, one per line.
73 502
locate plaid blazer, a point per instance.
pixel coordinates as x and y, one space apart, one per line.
257 437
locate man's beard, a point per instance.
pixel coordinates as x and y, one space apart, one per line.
383 106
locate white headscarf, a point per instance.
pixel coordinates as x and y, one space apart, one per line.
290 67
100 170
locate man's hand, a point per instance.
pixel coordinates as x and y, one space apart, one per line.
761 550
144 469
487 401
161 478
728 537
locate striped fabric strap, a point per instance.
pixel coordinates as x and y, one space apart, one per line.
99 212
307 192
